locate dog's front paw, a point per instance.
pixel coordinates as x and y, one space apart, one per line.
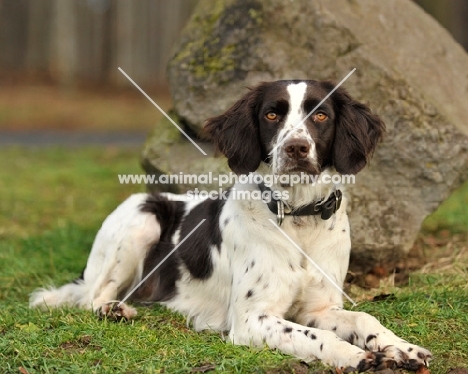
408 356
116 310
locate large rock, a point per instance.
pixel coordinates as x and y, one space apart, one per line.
409 70
167 152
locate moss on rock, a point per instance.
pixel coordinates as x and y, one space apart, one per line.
215 43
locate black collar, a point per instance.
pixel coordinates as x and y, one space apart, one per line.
324 208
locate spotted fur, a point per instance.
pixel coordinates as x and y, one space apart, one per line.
237 272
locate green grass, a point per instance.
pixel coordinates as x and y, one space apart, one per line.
431 312
76 341
45 188
52 203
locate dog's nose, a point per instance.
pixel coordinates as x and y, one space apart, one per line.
297 148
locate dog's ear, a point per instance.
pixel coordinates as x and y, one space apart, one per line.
236 134
357 133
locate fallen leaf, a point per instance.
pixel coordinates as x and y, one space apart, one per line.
423 370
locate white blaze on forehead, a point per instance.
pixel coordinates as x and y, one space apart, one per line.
296 98
293 128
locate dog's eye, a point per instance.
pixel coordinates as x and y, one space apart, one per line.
271 116
321 116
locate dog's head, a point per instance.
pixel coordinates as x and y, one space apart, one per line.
271 123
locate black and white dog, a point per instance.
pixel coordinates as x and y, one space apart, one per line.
252 268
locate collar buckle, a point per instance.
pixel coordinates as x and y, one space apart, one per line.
330 206
280 214
324 208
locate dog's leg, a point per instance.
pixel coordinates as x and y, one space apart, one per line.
322 308
114 266
303 342
366 332
261 299
123 266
